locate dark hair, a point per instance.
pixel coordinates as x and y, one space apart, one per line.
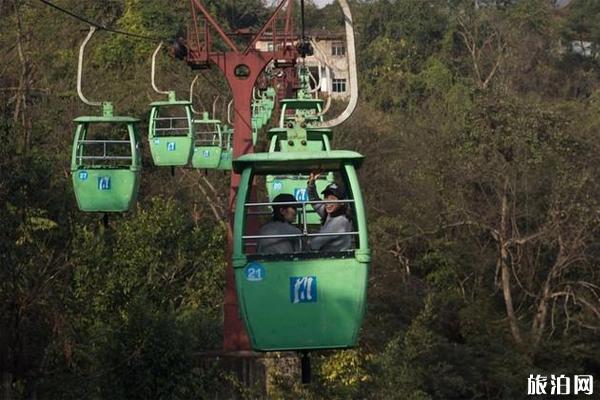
281 198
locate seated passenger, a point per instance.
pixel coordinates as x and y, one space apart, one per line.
283 217
335 217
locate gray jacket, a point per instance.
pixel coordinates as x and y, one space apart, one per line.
337 224
282 245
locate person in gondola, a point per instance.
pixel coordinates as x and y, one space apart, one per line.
284 216
335 217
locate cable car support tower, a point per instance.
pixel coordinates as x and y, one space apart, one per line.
242 69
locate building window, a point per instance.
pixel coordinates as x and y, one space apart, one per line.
339 85
338 49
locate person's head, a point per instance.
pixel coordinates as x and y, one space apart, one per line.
284 212
334 192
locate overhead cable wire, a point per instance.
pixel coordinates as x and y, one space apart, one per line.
99 26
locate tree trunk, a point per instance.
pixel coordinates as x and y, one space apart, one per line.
539 321
505 269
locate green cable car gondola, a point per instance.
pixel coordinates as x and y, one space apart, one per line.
105 159
208 144
171 132
106 162
225 164
304 300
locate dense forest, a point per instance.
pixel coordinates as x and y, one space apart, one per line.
480 123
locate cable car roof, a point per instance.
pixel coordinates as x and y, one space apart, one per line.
100 118
302 104
171 103
206 121
281 162
313 133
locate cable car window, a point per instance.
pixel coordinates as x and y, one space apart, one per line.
105 145
284 217
207 134
171 121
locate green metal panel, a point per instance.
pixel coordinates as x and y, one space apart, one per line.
281 312
226 161
105 190
172 149
206 157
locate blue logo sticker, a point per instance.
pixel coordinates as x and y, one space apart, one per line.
170 146
104 183
206 153
301 194
277 186
303 289
83 175
156 141
255 272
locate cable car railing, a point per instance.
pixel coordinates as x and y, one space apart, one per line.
207 138
305 233
170 126
105 155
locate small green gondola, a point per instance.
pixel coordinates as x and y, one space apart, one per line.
305 300
170 132
208 144
225 164
105 168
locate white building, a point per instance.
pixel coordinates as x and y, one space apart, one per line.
328 64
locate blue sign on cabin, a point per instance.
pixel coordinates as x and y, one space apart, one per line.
277 186
83 175
170 146
206 153
303 289
301 194
104 183
255 272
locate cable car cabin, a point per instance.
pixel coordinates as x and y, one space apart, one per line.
303 295
309 109
208 144
106 163
170 132
225 163
298 139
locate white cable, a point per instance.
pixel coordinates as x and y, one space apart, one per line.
353 74
214 108
80 69
192 94
229 112
153 72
